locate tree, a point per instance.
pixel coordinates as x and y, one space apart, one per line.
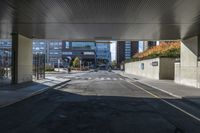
76 62
114 64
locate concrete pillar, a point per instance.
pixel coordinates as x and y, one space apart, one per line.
189 52
187 71
22 59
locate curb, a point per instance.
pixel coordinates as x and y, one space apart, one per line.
35 93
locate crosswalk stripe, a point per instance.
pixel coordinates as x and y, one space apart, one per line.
99 78
108 78
102 78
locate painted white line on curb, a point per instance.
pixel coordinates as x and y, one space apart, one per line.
172 105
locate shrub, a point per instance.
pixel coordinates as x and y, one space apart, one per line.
76 62
49 69
165 49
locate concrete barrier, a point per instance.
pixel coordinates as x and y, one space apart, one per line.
157 68
187 75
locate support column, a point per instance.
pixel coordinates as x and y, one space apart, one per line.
22 59
186 72
189 52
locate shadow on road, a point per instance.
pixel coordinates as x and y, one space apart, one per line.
57 111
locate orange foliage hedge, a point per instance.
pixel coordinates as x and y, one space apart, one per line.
165 49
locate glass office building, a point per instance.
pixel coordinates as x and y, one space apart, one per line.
84 50
61 51
51 48
103 53
83 45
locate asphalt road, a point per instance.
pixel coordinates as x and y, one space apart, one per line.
101 102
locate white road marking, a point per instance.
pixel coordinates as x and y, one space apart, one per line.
102 79
114 78
172 105
108 78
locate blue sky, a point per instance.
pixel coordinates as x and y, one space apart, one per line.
141 46
113 50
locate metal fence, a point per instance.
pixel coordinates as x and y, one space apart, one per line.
39 66
5 66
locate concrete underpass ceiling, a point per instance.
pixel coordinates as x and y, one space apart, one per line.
100 19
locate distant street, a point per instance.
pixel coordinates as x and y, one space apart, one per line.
101 102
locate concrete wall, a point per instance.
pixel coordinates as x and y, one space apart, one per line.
163 70
167 68
187 75
187 71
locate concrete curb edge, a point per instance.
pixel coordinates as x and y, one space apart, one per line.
35 93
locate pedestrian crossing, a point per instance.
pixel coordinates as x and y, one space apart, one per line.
99 78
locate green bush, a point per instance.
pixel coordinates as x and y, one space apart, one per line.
49 69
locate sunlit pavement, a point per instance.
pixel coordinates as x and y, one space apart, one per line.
101 102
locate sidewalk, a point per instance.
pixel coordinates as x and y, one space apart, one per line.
14 93
168 86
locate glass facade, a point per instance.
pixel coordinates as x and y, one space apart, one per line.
51 48
39 47
5 61
83 45
128 50
84 50
103 53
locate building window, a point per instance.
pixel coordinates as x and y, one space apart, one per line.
83 45
67 45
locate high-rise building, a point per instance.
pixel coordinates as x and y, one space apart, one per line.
148 44
126 50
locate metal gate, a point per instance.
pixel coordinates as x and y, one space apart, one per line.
39 66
